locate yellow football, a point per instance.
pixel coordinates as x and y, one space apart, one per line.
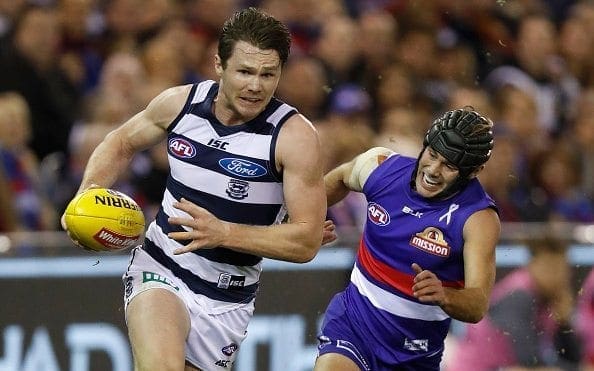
104 219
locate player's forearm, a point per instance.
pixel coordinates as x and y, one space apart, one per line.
107 162
336 189
466 305
293 242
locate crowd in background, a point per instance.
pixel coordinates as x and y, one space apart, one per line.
366 72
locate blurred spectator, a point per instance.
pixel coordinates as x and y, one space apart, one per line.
501 180
517 115
529 323
399 131
31 56
585 320
395 88
346 130
304 85
581 137
378 32
418 52
80 55
479 25
469 95
538 70
576 44
337 51
344 133
206 17
8 12
162 58
130 23
20 167
557 176
457 68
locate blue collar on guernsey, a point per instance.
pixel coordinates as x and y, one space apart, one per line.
197 284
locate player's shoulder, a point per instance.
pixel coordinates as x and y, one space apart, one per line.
168 103
379 154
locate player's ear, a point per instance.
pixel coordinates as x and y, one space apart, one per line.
476 172
218 64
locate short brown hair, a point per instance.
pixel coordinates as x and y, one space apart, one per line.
257 28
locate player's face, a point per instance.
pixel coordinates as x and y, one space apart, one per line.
247 83
434 174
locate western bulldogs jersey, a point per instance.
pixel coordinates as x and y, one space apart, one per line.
230 171
403 228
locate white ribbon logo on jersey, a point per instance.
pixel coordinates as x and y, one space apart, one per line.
448 215
431 240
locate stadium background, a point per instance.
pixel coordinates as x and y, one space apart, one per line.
366 72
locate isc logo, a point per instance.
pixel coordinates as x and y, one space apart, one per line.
181 148
377 214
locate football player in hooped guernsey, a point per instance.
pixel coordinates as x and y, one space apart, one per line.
240 161
427 253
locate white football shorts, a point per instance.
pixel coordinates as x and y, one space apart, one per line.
217 328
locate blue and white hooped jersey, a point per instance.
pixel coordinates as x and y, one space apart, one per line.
230 171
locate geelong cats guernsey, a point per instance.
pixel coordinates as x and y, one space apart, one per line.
230 171
404 228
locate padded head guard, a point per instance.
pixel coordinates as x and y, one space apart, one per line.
463 137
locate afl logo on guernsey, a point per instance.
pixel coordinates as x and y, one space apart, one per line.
242 168
182 148
377 214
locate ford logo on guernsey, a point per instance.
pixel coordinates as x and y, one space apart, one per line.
242 168
377 214
182 148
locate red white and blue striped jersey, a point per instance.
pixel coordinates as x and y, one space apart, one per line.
402 228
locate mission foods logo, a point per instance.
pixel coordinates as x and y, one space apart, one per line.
242 168
182 148
431 240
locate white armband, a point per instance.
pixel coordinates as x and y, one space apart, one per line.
364 164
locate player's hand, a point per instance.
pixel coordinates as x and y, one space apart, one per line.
65 226
206 230
427 287
329 233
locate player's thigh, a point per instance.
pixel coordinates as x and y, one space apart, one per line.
335 362
158 324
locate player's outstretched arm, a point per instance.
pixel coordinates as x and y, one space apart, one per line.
113 155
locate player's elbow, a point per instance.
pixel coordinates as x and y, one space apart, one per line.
475 317
306 254
477 313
